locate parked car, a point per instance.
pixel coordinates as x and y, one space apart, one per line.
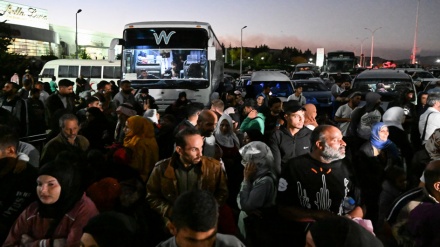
305 74
435 72
315 92
307 67
431 85
280 84
388 83
420 75
243 80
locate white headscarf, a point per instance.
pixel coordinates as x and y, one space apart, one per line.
394 117
151 115
228 140
259 153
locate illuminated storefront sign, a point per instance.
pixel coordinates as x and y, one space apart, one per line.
23 15
320 57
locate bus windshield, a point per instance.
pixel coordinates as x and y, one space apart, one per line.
341 61
168 58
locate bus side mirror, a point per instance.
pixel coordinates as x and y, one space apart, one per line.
211 53
111 49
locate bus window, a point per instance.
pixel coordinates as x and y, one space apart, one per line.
96 72
117 72
48 73
91 71
86 71
68 71
111 72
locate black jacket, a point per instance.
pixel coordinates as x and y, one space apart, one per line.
17 191
284 146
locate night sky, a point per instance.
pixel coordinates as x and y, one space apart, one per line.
278 23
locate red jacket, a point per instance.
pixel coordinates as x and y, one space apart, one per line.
70 227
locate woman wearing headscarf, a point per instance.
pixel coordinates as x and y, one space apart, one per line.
229 144
153 116
310 116
373 158
58 216
139 138
394 118
258 190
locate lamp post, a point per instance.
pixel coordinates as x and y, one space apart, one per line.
241 48
362 57
414 51
76 32
372 43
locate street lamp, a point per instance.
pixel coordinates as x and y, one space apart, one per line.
414 51
241 48
362 52
76 32
372 43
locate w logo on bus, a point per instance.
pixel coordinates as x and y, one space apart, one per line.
163 35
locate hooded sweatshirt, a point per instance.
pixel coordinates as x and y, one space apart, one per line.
254 123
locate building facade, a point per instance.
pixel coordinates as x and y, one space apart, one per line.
34 36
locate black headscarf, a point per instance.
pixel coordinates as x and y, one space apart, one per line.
342 232
69 178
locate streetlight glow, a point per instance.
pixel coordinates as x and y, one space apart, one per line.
414 51
372 43
241 48
76 32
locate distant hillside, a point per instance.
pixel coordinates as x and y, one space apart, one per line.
429 61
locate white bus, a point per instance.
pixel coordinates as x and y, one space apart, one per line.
93 71
171 57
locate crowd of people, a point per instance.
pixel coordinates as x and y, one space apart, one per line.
254 171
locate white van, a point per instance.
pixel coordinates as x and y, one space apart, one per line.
93 71
280 84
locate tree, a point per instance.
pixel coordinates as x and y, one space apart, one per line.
298 60
234 54
260 49
308 54
83 54
5 37
9 62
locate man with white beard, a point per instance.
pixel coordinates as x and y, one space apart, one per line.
314 186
